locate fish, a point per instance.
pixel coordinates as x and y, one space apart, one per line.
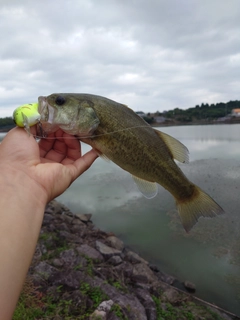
117 133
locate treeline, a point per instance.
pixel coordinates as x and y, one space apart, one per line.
6 122
201 112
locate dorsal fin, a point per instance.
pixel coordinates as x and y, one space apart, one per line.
177 149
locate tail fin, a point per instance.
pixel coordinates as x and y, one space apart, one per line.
199 205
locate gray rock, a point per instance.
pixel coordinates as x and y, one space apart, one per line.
148 303
71 279
54 207
44 270
134 257
69 237
63 226
125 268
90 252
57 263
105 306
47 219
68 257
115 260
106 251
142 273
84 217
112 316
115 243
78 222
165 278
43 248
67 219
191 287
171 295
98 315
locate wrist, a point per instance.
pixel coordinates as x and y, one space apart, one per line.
17 184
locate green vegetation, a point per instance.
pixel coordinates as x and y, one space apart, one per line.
201 112
184 310
95 294
6 123
34 304
53 244
116 309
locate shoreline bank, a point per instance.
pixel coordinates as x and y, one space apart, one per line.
81 272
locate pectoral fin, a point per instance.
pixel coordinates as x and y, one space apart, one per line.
148 189
178 150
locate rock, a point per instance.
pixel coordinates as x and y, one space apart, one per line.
191 287
142 273
57 262
154 268
44 270
112 316
115 260
171 295
47 219
69 237
105 306
84 217
165 278
68 258
134 257
145 298
90 252
125 268
71 280
106 251
78 222
54 207
98 315
63 226
115 243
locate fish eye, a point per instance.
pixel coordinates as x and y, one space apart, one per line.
60 100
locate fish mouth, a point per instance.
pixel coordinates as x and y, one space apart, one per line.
46 111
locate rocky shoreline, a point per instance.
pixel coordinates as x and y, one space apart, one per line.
81 272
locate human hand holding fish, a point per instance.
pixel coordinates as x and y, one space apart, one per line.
116 132
31 174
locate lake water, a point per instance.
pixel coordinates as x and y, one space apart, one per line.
209 255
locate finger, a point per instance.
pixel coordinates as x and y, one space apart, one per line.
83 163
46 144
73 147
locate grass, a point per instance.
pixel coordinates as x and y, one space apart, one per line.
183 311
33 304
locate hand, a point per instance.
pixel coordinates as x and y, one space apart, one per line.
52 164
31 174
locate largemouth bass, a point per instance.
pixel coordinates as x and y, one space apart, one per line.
119 134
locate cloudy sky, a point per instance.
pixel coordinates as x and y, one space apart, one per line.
149 54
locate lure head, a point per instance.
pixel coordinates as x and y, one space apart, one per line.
26 115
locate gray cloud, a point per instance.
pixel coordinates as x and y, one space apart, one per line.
152 55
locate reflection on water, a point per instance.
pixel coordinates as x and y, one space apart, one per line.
210 255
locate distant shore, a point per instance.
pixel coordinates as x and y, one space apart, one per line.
171 123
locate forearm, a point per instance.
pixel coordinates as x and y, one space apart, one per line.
21 212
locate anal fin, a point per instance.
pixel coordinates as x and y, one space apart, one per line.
148 189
